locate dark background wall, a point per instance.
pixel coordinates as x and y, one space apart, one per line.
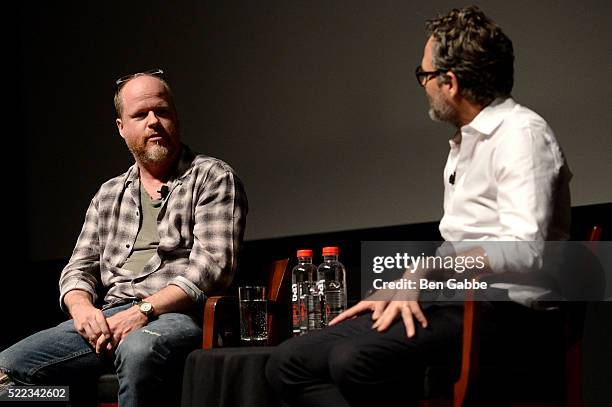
314 103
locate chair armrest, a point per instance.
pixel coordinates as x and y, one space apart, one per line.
472 321
470 349
221 325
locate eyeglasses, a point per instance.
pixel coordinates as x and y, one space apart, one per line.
151 72
423 77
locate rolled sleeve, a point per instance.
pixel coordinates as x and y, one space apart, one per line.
191 289
83 269
527 172
220 217
517 256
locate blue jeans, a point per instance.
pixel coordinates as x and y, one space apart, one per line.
148 362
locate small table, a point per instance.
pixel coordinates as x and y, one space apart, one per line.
227 377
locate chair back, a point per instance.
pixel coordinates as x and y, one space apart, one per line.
574 331
279 278
276 271
574 317
221 313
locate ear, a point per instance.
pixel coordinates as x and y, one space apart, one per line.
120 127
452 84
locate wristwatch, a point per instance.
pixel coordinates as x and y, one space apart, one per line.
146 308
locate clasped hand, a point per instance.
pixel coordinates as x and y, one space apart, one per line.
105 334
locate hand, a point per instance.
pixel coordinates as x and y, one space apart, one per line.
407 309
377 308
384 313
90 322
121 324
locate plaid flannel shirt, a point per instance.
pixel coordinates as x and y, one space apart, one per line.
201 226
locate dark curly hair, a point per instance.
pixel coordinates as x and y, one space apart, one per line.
476 50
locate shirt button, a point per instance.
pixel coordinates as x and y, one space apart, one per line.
137 213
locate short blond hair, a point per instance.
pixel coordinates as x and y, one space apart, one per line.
118 102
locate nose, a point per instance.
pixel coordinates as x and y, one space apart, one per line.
152 119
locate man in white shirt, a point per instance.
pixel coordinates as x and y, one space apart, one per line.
505 180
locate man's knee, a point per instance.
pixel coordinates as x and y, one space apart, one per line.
278 363
26 361
139 351
347 363
289 365
9 365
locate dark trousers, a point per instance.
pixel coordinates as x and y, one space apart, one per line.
351 364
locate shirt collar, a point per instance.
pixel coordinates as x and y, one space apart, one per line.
183 168
490 117
185 164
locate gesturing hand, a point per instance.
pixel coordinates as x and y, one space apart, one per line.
407 309
376 306
385 312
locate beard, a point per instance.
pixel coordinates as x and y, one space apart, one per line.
151 153
442 111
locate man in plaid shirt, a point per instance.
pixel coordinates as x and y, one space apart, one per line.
157 240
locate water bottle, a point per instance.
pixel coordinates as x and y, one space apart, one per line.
303 281
331 284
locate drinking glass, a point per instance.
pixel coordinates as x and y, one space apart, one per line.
253 315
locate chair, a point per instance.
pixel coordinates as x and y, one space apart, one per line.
221 324
470 363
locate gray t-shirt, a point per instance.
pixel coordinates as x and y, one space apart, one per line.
147 239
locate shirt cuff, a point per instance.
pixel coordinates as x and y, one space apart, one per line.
77 284
190 289
514 256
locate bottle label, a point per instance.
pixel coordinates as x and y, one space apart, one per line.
321 287
295 309
333 285
294 292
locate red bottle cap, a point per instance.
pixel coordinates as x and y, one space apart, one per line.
304 253
330 251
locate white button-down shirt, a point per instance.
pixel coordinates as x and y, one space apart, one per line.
510 184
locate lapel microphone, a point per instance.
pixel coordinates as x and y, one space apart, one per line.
451 179
164 191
